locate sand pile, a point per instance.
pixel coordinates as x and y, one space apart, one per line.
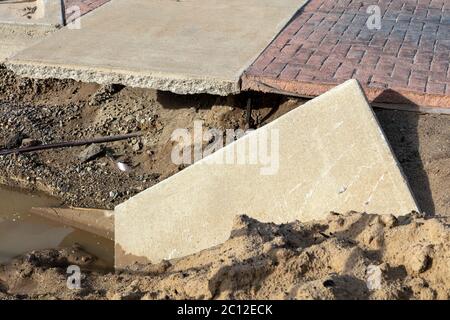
351 256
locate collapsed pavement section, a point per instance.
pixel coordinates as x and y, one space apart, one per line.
184 47
328 155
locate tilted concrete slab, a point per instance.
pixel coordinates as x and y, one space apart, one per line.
333 156
189 46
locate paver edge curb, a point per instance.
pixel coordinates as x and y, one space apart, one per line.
102 75
383 97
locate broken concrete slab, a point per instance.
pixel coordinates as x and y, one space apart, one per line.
332 156
186 47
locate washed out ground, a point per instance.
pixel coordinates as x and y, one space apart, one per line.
290 261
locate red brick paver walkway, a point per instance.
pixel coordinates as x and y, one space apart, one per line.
84 5
328 42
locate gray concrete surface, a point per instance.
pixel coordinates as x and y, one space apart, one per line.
44 13
15 38
189 46
332 156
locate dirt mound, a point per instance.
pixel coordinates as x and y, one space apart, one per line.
351 256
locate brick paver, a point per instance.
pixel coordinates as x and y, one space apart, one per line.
328 42
84 5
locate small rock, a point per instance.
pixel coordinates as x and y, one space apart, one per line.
30 142
14 141
91 152
126 294
129 118
113 194
389 220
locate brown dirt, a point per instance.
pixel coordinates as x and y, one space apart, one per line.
327 259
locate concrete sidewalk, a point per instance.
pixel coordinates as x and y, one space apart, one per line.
23 24
41 13
185 47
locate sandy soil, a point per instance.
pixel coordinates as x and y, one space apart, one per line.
351 256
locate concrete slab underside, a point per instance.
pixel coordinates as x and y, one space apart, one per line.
333 156
190 46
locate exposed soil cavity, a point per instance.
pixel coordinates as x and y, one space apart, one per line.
22 232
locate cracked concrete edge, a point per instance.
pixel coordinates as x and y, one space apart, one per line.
164 82
159 81
401 99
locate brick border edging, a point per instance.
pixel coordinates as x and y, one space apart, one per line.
86 6
415 101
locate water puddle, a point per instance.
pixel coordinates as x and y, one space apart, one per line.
22 232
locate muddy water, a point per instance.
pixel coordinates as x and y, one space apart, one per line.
21 232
